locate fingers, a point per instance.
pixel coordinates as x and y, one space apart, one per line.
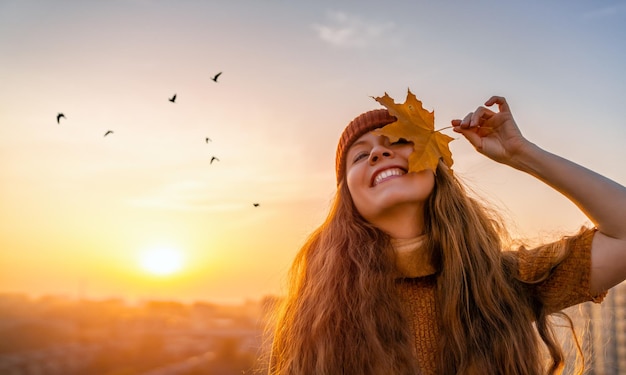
474 119
455 123
465 123
482 114
474 138
503 106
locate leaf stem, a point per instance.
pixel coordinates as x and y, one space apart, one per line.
447 127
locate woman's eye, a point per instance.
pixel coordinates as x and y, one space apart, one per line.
359 156
400 141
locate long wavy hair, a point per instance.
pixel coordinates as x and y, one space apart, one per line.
342 314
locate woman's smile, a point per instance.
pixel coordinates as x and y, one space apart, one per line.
387 174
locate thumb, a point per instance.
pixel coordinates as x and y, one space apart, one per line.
472 136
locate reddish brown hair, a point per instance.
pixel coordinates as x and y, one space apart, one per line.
343 315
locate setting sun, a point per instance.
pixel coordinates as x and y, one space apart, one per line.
161 261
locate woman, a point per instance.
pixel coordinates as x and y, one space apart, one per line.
407 275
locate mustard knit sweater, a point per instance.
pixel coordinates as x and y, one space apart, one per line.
564 284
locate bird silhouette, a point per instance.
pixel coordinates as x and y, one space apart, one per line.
215 76
59 117
207 139
255 204
108 132
173 99
213 159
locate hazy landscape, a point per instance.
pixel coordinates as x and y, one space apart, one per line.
59 335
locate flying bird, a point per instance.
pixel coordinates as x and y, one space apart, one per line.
207 139
173 99
255 204
214 159
59 117
215 77
108 132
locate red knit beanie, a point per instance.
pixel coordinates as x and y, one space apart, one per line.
361 124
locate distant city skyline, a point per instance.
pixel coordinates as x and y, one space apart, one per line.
58 336
76 334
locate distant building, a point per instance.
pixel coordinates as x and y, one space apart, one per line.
602 330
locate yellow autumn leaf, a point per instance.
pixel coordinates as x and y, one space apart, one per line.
417 125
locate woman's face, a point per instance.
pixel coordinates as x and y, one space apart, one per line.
382 190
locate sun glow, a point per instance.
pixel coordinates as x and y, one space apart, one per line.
161 261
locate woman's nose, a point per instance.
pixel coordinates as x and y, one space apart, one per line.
379 152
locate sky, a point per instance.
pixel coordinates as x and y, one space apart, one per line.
79 210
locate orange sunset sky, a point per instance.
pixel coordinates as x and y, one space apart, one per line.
91 216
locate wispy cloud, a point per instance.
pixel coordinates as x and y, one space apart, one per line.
606 11
345 30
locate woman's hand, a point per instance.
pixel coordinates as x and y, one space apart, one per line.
493 134
496 135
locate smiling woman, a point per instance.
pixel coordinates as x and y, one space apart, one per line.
161 261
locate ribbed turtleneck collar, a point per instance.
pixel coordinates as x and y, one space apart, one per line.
411 258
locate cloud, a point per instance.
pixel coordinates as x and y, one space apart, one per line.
606 11
344 30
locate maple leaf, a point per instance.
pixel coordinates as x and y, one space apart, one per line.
417 125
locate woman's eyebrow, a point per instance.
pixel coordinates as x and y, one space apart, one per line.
357 143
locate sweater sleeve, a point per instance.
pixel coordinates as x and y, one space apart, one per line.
558 274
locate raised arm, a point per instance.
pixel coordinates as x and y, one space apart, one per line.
496 135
